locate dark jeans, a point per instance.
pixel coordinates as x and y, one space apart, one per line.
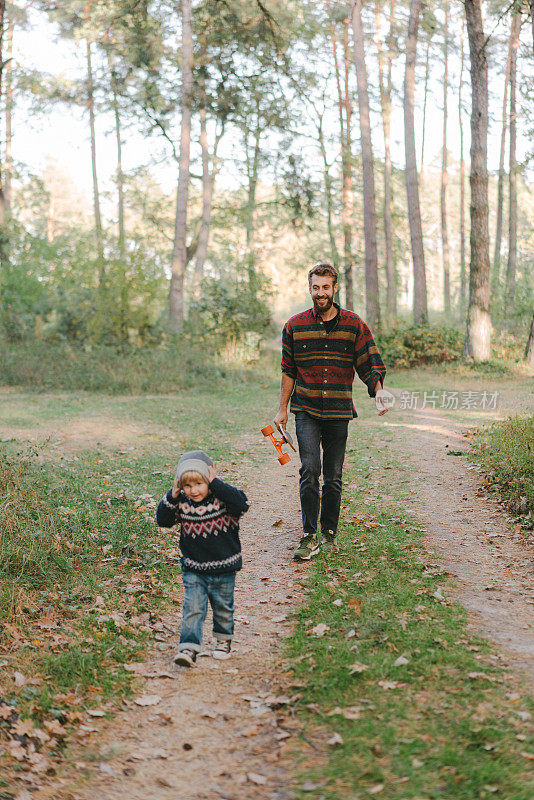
313 433
198 589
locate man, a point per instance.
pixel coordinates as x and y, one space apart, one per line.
322 348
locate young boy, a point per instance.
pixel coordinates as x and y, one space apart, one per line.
208 511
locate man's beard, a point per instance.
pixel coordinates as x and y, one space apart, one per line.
324 307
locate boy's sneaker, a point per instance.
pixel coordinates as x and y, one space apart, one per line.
307 548
185 658
222 649
328 542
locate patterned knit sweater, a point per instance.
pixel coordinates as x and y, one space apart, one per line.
209 535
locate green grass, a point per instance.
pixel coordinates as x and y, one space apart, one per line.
437 733
76 535
505 450
44 366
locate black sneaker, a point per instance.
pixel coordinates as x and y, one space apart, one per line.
185 658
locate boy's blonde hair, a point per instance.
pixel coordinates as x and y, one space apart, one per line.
190 474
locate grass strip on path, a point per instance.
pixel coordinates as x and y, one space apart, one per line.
412 704
505 451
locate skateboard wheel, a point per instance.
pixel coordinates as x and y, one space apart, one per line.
268 430
284 458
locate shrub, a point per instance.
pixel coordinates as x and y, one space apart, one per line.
413 346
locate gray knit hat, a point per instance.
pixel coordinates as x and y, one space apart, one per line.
195 461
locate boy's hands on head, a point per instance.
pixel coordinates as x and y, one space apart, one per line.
176 488
211 474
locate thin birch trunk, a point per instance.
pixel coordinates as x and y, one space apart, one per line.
372 304
328 195
462 177
512 177
253 171
208 183
344 110
425 97
478 329
385 102
420 311
120 174
444 176
348 205
9 109
500 183
179 252
96 195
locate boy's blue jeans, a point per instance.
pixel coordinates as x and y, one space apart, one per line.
331 435
198 589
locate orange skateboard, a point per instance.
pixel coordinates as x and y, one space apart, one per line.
283 458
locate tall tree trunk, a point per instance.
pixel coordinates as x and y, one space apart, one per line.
444 176
344 111
96 196
462 177
425 98
348 205
372 304
328 194
529 349
253 164
500 183
478 329
3 231
512 178
120 174
532 21
208 182
179 251
385 102
9 108
120 202
420 311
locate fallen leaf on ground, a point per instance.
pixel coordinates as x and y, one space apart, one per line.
253 777
19 679
278 523
335 739
136 666
319 630
401 661
39 762
357 667
350 712
23 727
96 712
391 684
376 789
148 700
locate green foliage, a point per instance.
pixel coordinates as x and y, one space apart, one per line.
228 312
505 451
415 345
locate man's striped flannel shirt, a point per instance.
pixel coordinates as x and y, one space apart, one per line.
323 364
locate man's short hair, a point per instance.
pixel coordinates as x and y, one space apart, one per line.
323 268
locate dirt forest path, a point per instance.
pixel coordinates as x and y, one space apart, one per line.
490 564
220 728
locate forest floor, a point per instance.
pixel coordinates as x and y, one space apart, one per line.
228 729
